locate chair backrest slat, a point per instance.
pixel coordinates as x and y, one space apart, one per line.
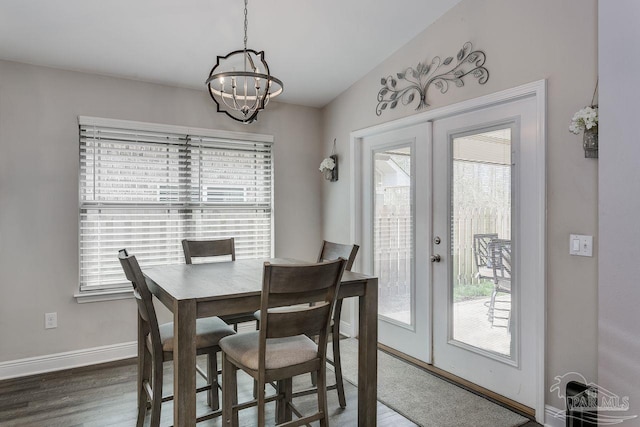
289 285
208 248
298 280
331 251
308 320
481 249
501 258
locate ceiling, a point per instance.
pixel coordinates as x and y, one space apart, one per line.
317 48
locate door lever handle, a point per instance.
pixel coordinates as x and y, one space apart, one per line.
435 258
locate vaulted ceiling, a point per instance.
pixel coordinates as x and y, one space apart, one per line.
318 48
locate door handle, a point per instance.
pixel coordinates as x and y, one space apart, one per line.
435 258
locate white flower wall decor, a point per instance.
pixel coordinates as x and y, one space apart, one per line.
586 120
329 165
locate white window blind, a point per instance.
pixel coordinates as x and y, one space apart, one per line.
146 190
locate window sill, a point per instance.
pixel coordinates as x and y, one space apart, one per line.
97 296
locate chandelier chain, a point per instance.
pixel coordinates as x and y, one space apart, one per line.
246 23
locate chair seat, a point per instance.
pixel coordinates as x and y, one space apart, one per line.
503 285
486 272
209 332
280 352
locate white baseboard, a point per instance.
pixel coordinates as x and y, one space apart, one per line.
552 418
346 329
67 360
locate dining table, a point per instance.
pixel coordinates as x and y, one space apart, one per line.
192 291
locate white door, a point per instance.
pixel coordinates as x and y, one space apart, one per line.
487 216
395 234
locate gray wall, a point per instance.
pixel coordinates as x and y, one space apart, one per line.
39 195
524 41
619 204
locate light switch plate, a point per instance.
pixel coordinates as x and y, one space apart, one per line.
580 245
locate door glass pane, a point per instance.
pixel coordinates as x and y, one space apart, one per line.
393 233
481 197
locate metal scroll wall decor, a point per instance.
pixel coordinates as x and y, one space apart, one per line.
414 83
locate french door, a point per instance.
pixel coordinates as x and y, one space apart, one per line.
395 234
484 197
451 206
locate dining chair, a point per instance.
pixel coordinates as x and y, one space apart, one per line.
208 248
330 251
500 251
482 254
282 349
157 347
216 248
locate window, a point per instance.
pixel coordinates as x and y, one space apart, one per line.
146 187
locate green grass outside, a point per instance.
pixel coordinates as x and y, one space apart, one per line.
464 292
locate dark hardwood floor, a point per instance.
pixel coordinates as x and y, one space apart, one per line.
105 395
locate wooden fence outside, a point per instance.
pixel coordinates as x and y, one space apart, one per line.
393 246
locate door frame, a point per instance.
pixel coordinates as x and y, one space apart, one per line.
537 90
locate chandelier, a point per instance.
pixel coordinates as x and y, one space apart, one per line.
240 83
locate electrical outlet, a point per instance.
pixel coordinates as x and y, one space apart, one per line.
50 320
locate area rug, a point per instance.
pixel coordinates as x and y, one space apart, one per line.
423 397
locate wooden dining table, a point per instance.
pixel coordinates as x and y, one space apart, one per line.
234 287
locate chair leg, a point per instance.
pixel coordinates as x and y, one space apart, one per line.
322 395
144 375
280 403
283 407
261 404
229 393
213 397
288 395
335 335
314 375
156 387
255 383
492 305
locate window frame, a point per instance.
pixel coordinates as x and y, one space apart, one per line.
188 134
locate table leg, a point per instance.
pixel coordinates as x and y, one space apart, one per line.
184 363
368 355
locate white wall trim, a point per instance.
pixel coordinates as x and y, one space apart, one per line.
67 360
103 295
552 418
540 91
536 89
158 127
347 329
